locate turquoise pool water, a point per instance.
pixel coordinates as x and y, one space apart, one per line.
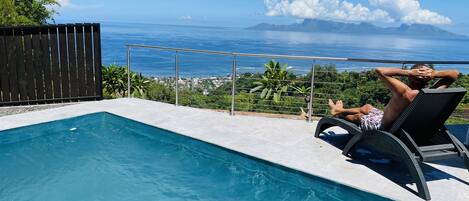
109 158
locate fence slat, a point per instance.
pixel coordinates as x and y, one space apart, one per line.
20 67
11 60
64 62
81 60
46 64
90 89
28 57
51 63
38 72
97 59
55 67
5 85
72 61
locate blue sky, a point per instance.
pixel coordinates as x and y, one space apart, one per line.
451 14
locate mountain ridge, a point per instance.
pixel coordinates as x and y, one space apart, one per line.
323 26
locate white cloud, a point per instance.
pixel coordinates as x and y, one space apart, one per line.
325 9
405 11
410 11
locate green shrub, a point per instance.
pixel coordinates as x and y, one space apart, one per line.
115 82
160 92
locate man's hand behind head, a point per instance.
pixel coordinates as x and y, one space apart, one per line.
422 74
426 73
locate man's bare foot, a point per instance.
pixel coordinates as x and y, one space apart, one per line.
331 104
333 108
340 104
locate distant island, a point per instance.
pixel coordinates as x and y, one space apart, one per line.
323 26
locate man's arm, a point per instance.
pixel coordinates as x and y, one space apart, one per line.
447 77
396 86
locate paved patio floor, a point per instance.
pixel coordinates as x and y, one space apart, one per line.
283 141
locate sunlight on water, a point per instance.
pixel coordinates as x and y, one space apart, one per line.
150 62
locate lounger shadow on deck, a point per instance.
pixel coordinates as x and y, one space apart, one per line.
385 165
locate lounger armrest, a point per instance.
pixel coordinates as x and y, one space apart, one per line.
328 122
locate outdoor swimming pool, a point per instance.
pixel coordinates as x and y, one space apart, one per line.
106 157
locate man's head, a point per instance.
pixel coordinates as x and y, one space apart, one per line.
418 66
422 79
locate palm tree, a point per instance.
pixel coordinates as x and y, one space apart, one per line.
274 82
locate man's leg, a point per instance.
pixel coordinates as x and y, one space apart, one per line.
350 114
366 109
338 109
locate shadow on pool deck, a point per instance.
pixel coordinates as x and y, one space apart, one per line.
393 170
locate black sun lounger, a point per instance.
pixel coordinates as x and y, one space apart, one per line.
418 135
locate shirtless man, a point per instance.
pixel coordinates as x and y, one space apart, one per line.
371 118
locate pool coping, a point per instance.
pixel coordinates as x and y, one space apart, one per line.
260 142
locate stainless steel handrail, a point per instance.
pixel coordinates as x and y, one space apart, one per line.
178 49
235 55
297 57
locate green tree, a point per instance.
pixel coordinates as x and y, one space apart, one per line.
8 15
26 12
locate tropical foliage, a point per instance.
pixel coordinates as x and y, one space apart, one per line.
115 82
274 82
303 91
26 12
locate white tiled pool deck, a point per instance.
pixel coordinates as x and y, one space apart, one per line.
287 142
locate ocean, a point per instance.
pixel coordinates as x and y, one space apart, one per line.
161 63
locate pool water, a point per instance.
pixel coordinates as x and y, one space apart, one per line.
109 158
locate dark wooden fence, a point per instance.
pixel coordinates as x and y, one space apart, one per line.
48 64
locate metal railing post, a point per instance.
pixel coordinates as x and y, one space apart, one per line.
310 103
233 85
177 77
129 95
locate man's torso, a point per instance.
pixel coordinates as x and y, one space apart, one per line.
395 107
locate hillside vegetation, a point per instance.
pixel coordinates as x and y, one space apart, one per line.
277 90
